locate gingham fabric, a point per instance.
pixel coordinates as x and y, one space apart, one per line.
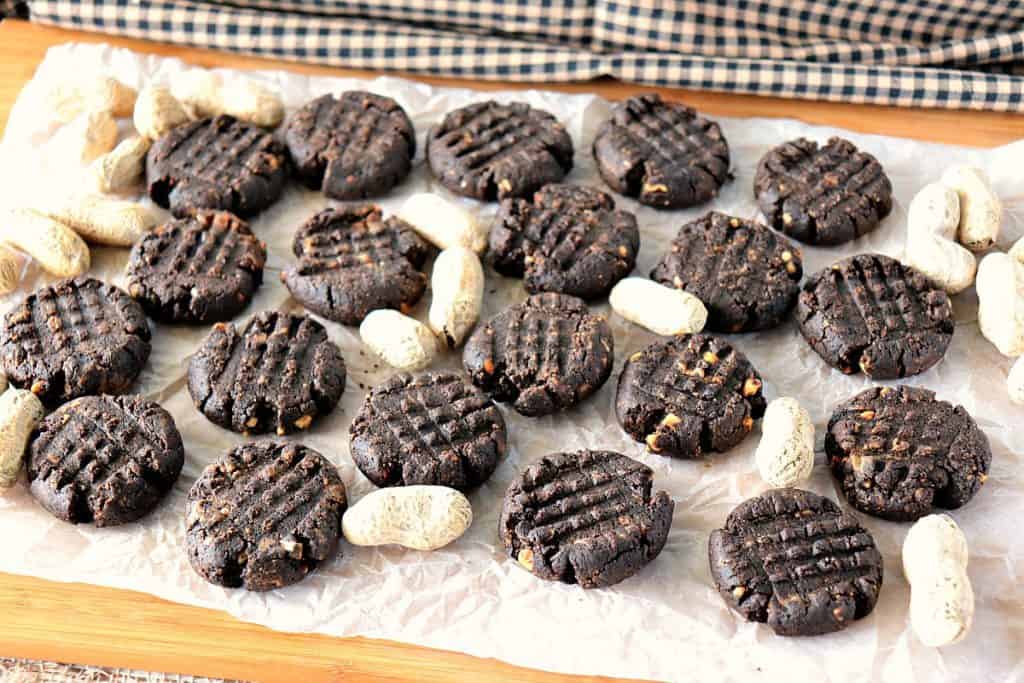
928 53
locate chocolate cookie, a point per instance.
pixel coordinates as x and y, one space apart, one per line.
664 154
746 275
897 452
427 429
587 517
689 395
352 262
568 239
542 356
264 516
200 269
355 146
492 151
827 195
217 163
74 338
279 374
795 560
104 459
874 314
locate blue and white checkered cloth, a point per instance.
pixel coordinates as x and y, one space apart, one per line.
924 53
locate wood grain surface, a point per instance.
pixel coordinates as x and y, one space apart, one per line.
93 625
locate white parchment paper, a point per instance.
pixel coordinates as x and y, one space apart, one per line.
667 622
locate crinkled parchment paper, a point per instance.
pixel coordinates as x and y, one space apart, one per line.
667 622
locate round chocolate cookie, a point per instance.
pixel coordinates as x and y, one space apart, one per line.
897 452
746 275
689 395
279 374
200 269
796 561
217 163
827 195
352 262
74 338
587 517
355 146
428 429
543 355
104 459
568 239
264 516
874 314
664 154
490 151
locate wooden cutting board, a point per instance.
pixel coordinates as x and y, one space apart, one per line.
92 625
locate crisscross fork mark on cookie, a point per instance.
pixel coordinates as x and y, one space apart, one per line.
568 239
874 314
826 195
203 268
279 374
217 163
264 516
793 559
587 517
897 452
689 395
543 355
493 151
428 429
356 146
74 338
746 275
664 154
105 459
352 262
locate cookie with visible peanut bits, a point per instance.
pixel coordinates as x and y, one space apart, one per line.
566 238
74 338
796 561
352 261
590 518
277 375
689 395
201 269
264 516
898 452
745 274
542 356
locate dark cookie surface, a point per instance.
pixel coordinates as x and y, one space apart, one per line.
568 239
74 338
351 262
796 561
664 154
873 314
491 151
200 269
822 195
217 163
431 429
689 395
107 460
355 146
542 356
279 374
264 516
897 452
588 517
746 275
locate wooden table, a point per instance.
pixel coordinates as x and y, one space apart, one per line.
92 625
